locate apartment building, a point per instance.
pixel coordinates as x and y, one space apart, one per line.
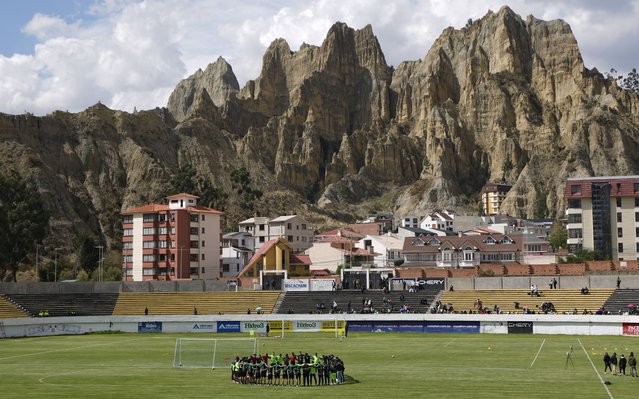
603 215
177 240
492 196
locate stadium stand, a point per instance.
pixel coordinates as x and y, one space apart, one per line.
620 299
10 310
86 304
306 302
182 303
564 300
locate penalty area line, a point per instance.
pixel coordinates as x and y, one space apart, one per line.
538 352
595 368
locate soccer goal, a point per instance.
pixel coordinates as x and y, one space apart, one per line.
211 352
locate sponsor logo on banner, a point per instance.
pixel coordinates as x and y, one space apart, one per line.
435 283
520 327
257 326
630 328
149 326
228 326
451 327
295 285
203 327
322 285
307 326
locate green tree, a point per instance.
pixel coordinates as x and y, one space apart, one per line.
631 81
541 209
583 255
243 186
88 254
186 180
559 236
23 221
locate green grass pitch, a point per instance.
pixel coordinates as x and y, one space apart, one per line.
423 366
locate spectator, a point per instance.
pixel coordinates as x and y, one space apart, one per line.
554 283
194 310
585 291
618 282
146 311
606 360
613 362
550 284
622 365
451 288
632 362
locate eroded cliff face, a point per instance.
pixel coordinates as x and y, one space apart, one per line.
332 131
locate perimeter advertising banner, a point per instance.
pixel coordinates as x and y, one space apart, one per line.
520 327
307 326
255 326
322 284
631 329
149 326
415 326
295 284
434 283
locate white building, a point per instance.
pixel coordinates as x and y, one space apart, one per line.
297 231
387 248
237 249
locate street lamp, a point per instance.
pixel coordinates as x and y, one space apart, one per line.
55 262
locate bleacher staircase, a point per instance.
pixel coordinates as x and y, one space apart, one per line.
620 299
10 310
86 304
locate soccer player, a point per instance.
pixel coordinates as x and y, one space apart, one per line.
298 373
277 368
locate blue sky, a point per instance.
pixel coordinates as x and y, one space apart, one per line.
70 54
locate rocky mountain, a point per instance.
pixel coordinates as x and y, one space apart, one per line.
334 132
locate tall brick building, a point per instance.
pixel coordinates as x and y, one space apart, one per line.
179 240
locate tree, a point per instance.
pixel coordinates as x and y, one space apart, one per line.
23 221
559 236
630 82
243 186
583 255
88 254
186 180
541 209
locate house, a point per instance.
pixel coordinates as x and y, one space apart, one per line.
404 232
387 248
329 252
411 221
462 251
297 231
276 256
177 240
438 221
237 249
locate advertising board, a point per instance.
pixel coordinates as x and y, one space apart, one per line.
228 327
631 329
520 327
149 326
256 326
295 284
322 284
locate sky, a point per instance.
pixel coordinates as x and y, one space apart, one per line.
69 54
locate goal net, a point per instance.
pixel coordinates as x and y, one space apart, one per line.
211 352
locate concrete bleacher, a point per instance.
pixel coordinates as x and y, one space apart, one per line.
9 310
620 299
84 304
306 302
564 300
183 303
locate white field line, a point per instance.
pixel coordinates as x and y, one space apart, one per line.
538 352
450 342
67 349
595 368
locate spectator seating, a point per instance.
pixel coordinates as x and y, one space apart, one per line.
306 302
100 304
564 300
620 299
182 303
10 310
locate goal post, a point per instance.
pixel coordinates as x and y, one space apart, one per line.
211 352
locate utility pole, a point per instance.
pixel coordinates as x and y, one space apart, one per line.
55 262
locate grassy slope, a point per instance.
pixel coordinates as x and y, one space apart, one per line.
434 365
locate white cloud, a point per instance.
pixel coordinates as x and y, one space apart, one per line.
130 53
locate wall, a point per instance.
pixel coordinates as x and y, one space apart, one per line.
493 324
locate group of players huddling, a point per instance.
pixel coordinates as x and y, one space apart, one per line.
297 370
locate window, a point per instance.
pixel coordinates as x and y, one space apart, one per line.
636 201
203 230
225 267
193 231
618 202
148 231
636 216
620 247
203 244
203 270
203 257
203 219
303 239
194 218
193 244
172 257
262 239
636 231
534 247
148 244
289 238
172 230
162 218
289 226
127 232
575 189
127 219
162 257
446 256
619 232
148 258
129 258
148 271
637 247
574 233
172 244
129 245
148 217
574 203
574 218
635 187
162 231
262 227
193 257
468 255
619 217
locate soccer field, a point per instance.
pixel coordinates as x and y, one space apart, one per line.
378 365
